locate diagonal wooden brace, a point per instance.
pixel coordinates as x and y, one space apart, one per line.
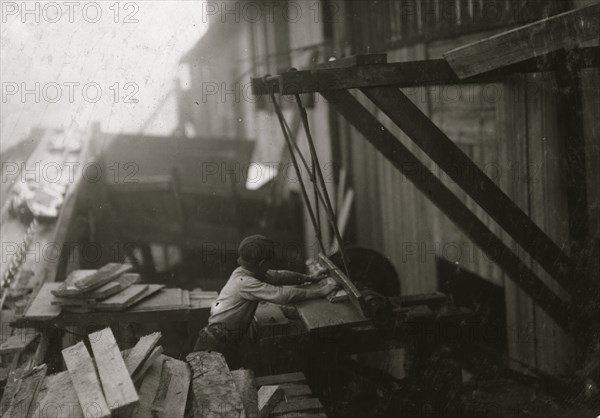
448 156
565 314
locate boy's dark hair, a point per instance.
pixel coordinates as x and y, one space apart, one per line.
254 249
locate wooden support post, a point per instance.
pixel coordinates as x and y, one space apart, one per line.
571 125
415 171
487 194
572 136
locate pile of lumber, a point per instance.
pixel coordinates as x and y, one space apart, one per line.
218 391
102 381
111 288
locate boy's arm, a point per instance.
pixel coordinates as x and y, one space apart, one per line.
261 291
285 277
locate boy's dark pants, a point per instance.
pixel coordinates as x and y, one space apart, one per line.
215 337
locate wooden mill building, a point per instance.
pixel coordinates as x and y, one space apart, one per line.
534 134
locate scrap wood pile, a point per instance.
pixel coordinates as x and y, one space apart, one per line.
217 391
111 288
103 381
100 380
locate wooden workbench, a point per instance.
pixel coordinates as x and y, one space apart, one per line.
168 305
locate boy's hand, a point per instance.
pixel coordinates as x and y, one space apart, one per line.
327 286
318 276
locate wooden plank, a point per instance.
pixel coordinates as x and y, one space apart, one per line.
166 299
58 398
268 398
19 340
26 393
269 314
41 308
299 405
118 285
118 302
156 353
171 396
565 30
82 370
214 390
149 389
122 299
109 289
404 75
140 352
416 172
460 168
279 379
293 390
132 295
318 314
104 275
118 387
246 386
71 302
68 287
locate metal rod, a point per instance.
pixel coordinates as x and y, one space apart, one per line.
319 173
295 163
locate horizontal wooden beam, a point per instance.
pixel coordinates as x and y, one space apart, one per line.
407 74
565 314
487 194
562 31
354 60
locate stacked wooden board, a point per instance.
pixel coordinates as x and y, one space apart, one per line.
217 391
108 289
105 382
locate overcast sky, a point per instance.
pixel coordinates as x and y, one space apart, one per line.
93 61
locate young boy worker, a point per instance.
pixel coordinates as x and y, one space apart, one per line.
232 313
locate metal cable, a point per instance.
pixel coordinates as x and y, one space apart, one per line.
289 142
319 173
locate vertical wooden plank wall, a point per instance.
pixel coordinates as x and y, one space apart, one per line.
548 209
395 218
590 80
510 131
520 315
